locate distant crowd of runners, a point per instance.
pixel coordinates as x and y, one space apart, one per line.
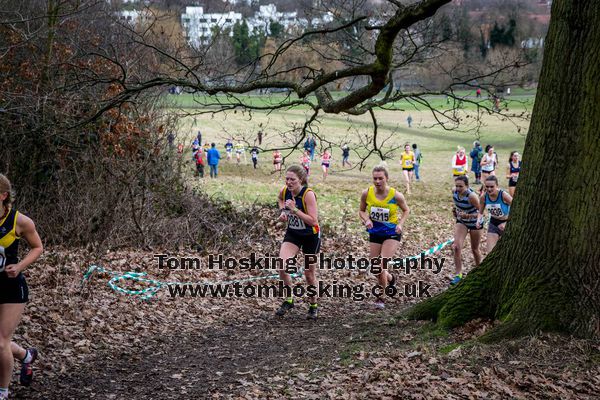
483 164
208 154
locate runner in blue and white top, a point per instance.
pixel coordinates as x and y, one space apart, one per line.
468 221
229 149
497 202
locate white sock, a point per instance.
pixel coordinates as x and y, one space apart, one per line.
3 393
28 357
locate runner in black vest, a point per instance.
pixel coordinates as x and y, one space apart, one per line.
13 287
298 205
512 172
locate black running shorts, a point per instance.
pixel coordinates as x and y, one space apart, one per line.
471 225
379 239
13 290
493 227
309 244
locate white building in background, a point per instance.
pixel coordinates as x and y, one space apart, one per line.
127 2
324 19
532 43
130 16
236 2
134 17
267 14
316 22
199 26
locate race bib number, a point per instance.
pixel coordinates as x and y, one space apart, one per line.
407 163
380 214
460 169
495 210
295 222
515 178
2 259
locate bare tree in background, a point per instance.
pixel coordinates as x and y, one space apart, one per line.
350 65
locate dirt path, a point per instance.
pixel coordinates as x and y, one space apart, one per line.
237 359
352 352
98 345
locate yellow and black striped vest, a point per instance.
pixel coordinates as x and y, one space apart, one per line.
9 241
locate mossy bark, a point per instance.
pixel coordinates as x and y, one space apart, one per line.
544 274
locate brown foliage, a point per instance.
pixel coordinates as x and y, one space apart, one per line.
108 181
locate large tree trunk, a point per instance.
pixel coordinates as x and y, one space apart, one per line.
544 272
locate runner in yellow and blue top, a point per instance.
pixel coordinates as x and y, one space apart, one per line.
497 202
239 151
407 162
298 205
14 293
380 206
468 221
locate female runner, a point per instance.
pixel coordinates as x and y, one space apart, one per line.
298 205
497 202
378 212
408 165
14 292
468 221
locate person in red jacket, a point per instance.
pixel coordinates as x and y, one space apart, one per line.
199 157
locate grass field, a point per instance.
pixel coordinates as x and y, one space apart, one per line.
520 99
338 196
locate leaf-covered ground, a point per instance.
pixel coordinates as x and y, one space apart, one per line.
97 344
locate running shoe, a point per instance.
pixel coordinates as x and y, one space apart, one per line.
285 307
379 304
392 281
26 375
456 279
312 313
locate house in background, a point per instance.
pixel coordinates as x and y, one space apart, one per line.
199 27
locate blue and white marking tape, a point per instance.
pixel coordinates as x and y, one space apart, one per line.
154 286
